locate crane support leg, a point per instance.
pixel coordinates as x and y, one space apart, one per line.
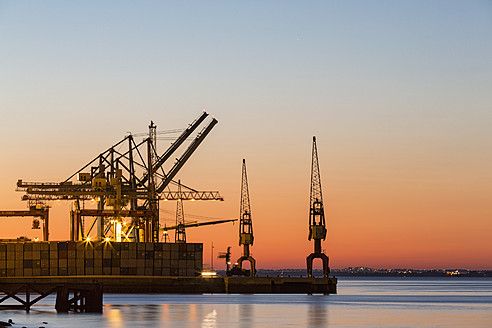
46 218
318 255
251 260
72 226
247 257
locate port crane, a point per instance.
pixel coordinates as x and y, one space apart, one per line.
36 212
125 183
245 225
317 224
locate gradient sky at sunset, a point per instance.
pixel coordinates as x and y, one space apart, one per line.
398 93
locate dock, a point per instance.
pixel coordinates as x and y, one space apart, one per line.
191 285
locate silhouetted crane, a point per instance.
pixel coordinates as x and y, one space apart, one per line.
317 225
245 224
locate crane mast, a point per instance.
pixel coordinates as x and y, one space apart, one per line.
317 224
153 201
180 233
245 224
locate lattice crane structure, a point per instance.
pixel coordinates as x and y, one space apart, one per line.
245 224
180 232
125 183
317 224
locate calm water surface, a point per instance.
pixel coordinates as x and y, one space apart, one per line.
378 302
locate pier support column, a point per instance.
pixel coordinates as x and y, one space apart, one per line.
62 304
86 298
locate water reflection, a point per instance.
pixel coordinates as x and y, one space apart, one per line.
317 315
114 318
246 315
360 303
149 313
179 313
164 312
210 320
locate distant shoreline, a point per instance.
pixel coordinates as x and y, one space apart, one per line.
371 272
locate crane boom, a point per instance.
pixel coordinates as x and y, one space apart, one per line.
175 145
186 155
316 211
198 224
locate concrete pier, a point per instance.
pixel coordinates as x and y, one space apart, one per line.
194 285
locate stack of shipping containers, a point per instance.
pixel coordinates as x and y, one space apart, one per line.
28 259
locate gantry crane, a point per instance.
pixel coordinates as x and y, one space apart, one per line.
40 212
130 179
245 225
317 225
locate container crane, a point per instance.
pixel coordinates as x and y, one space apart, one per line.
125 181
317 225
42 213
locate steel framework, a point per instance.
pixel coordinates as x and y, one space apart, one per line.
126 178
180 233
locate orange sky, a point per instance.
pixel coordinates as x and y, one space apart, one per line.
387 214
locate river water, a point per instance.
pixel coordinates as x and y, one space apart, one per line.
375 302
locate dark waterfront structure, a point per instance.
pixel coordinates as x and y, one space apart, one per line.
115 233
193 285
128 267
76 296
